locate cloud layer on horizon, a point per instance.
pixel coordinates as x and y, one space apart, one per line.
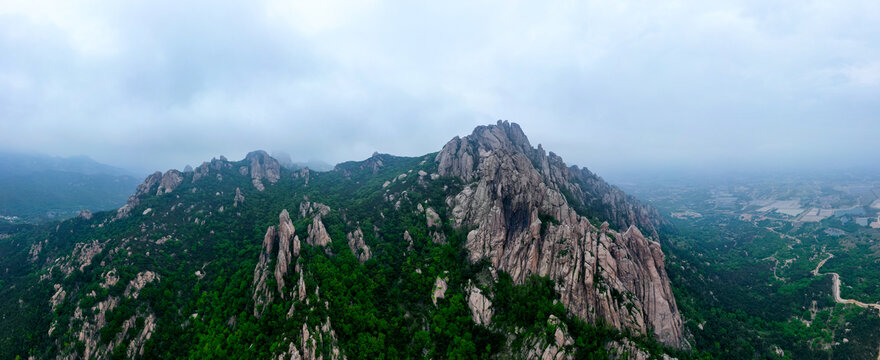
609 85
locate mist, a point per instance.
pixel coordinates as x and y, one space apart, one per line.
619 87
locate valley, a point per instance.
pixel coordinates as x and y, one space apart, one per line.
746 253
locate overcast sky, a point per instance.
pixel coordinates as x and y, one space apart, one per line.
610 85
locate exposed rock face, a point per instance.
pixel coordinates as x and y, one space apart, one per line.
561 347
144 188
59 296
82 256
358 246
36 248
303 173
239 198
461 157
600 273
262 166
169 182
627 350
86 325
142 279
318 235
136 347
480 305
288 248
288 245
307 208
110 279
205 168
440 287
432 218
301 288
262 294
85 214
312 343
409 240
374 163
88 333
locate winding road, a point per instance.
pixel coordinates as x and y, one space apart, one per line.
835 289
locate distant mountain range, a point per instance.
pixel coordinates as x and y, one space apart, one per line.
36 188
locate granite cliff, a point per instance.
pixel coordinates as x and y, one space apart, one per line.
518 201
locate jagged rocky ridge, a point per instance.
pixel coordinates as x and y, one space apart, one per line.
523 211
524 224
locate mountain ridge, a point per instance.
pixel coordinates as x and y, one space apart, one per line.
389 212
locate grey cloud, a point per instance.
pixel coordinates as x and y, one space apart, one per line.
609 85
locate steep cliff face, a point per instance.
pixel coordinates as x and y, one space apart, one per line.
261 166
518 202
583 190
288 245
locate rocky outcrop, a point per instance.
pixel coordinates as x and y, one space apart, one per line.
288 245
440 287
480 305
82 256
136 347
110 279
135 199
432 218
135 285
524 224
560 347
409 240
318 235
288 248
586 192
308 208
90 325
357 245
625 349
86 326
262 294
169 182
238 199
205 168
36 248
374 163
58 297
304 174
315 343
262 166
85 214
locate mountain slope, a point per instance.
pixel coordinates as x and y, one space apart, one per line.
525 226
36 188
452 254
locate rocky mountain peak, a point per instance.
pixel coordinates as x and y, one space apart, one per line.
460 156
262 166
502 135
531 215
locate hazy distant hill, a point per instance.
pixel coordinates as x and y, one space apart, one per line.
40 187
12 164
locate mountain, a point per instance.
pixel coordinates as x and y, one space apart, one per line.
12 163
487 248
37 187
